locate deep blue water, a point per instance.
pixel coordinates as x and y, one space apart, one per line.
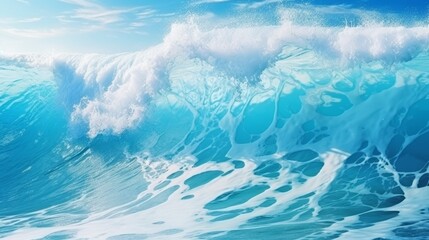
281 130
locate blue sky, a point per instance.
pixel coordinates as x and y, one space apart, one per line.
110 26
102 26
82 25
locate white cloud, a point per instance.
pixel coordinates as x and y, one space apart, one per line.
90 11
82 3
30 20
208 1
10 21
103 16
33 33
137 24
256 5
146 13
23 1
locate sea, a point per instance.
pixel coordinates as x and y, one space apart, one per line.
311 123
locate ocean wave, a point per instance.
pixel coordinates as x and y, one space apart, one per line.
305 131
111 92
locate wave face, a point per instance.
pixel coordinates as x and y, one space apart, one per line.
264 131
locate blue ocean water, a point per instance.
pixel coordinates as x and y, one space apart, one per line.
293 128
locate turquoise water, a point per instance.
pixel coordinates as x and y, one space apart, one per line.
289 131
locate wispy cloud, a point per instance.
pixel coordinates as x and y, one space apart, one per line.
33 33
137 24
103 16
145 16
90 11
24 20
146 13
30 20
82 3
199 2
256 5
23 1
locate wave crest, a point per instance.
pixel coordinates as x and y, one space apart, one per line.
111 93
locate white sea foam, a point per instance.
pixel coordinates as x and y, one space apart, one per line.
114 90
